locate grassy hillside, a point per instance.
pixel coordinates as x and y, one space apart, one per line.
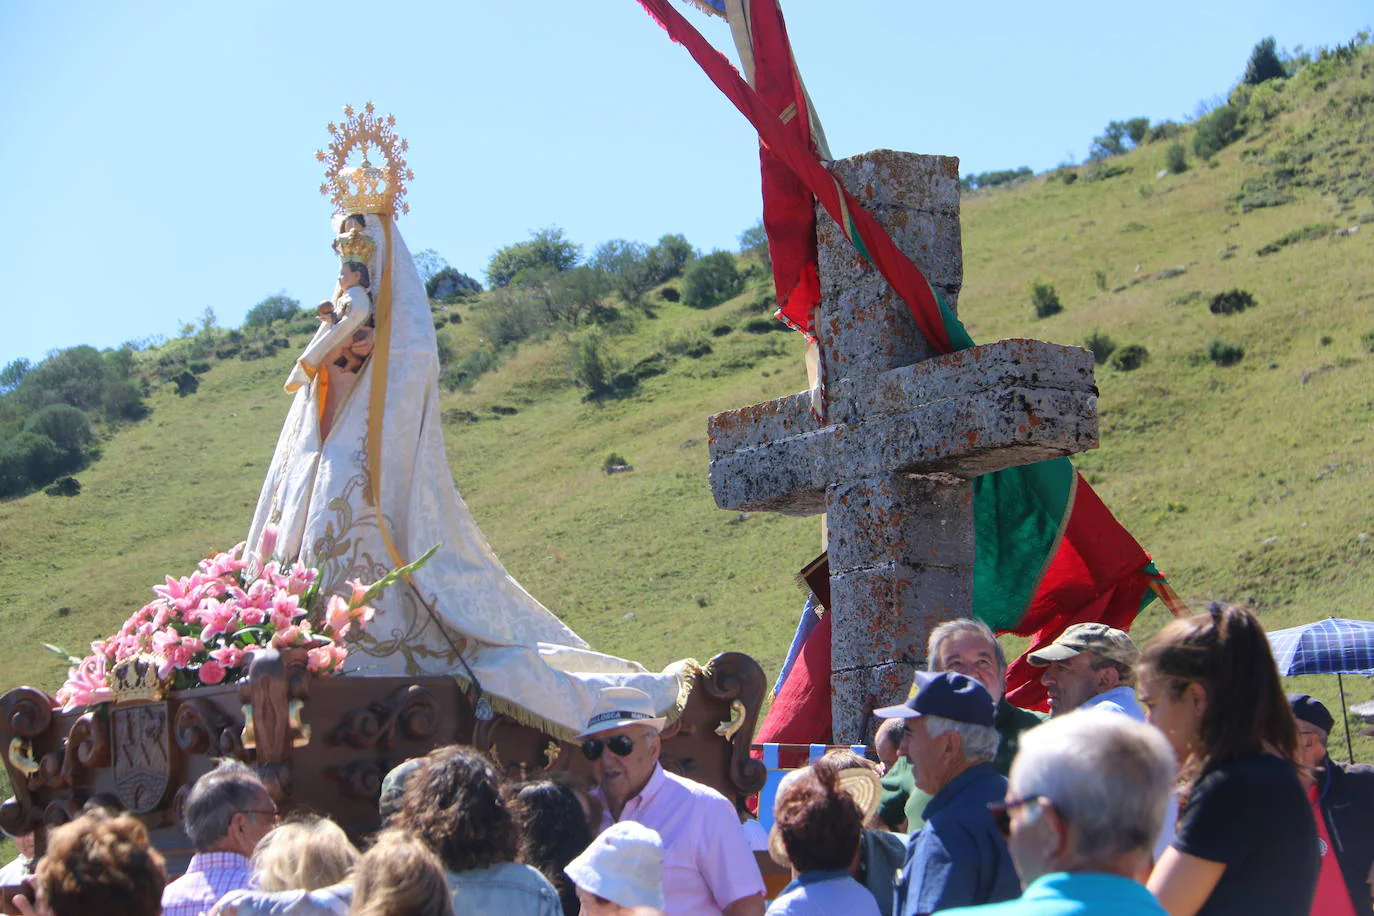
1250 482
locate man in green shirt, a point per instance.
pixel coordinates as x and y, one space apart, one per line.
968 647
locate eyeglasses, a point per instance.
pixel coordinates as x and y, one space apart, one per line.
1001 812
620 745
273 813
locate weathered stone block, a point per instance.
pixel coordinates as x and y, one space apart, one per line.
857 692
886 613
921 521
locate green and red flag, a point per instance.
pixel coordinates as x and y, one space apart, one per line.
1048 553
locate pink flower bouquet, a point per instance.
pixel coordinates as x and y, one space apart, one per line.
203 629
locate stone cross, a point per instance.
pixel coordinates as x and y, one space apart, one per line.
905 430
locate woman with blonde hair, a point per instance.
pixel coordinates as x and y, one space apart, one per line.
300 867
400 876
1246 841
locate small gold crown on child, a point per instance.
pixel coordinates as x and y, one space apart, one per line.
354 246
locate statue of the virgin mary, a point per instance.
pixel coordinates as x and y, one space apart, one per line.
359 483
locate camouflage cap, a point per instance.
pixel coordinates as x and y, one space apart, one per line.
394 786
1108 642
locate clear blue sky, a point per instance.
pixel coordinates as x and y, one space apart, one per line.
157 157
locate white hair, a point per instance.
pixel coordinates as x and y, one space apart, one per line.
978 742
1107 774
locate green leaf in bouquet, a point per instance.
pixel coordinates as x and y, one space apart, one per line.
376 588
62 654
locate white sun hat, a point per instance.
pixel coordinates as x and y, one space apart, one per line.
623 865
618 706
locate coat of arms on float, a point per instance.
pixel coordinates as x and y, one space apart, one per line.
139 733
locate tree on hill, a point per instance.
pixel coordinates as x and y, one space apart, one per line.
1264 63
627 266
711 279
546 248
1115 139
669 257
980 180
13 374
280 307
754 242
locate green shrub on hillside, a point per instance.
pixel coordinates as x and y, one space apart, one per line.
1367 341
1231 302
594 367
710 280
1264 198
1164 130
1175 159
1218 130
1045 300
1225 354
1301 234
64 486
67 426
30 459
1130 357
463 372
1100 345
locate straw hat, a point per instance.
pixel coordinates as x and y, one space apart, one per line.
860 783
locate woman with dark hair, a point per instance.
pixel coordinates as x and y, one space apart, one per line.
454 803
1246 842
818 826
554 831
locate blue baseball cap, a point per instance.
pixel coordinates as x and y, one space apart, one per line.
948 695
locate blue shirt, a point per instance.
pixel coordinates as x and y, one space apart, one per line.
1119 699
958 858
1074 894
824 893
507 889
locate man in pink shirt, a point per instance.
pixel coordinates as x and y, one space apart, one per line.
708 869
227 811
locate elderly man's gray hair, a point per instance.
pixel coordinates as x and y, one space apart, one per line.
978 742
951 628
230 788
1107 774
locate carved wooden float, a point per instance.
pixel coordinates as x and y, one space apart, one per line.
320 744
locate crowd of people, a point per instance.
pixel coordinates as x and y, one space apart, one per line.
1178 779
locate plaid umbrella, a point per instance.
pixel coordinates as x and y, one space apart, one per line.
1335 645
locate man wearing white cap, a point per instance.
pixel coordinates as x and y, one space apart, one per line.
708 869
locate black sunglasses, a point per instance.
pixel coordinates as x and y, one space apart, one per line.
1001 812
620 745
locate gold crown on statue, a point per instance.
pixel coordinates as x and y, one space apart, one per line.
137 679
355 246
366 188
